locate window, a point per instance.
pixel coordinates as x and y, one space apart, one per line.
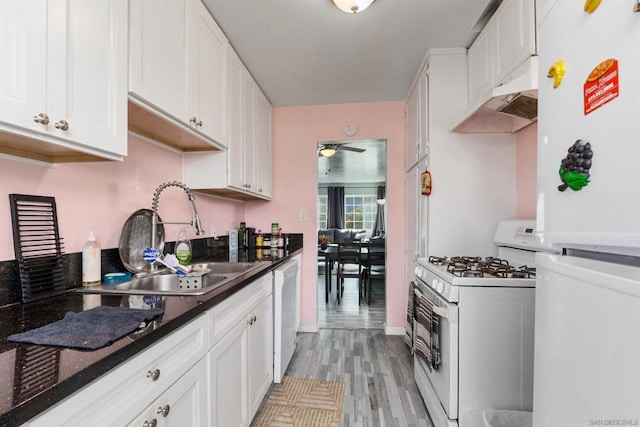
322 212
360 212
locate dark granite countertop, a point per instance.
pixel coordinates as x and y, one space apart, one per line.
28 389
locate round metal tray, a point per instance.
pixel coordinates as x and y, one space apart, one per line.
135 237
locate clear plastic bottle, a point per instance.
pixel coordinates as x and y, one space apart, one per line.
280 238
183 248
91 268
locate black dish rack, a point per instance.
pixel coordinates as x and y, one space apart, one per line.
37 245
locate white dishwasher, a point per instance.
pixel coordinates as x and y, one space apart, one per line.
284 317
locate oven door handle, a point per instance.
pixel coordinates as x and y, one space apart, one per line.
450 313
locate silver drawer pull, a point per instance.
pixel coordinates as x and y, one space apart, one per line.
193 120
163 410
199 123
154 375
151 423
62 125
41 118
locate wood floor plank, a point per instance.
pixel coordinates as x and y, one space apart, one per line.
377 371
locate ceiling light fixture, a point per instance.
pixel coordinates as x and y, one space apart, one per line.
328 151
352 6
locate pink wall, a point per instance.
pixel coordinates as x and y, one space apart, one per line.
101 196
296 132
526 171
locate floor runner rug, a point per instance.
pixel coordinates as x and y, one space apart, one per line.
301 402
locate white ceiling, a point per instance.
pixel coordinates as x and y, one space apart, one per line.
348 167
308 52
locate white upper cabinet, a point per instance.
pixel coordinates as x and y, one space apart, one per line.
480 66
63 79
244 170
159 55
514 36
264 160
209 76
178 74
417 121
507 40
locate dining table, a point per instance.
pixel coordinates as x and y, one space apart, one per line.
330 256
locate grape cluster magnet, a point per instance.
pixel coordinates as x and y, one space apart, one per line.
574 169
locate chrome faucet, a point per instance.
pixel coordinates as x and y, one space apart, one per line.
195 221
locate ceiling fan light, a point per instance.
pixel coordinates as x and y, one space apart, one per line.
352 6
328 152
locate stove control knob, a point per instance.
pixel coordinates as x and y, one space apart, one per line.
434 283
419 272
440 287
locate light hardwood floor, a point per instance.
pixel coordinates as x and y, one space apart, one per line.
348 314
377 371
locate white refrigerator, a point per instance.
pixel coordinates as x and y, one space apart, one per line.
587 336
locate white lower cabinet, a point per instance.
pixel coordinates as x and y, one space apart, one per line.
241 356
215 370
183 404
163 371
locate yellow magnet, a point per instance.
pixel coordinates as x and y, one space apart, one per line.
557 71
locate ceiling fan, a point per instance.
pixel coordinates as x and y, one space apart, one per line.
328 150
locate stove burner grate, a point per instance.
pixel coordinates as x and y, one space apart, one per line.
467 266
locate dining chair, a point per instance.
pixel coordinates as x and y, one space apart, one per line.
374 265
349 265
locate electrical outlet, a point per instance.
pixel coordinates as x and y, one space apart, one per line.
303 215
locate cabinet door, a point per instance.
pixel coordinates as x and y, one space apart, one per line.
209 74
183 404
23 78
228 379
263 144
159 55
513 36
248 116
235 151
260 353
87 73
412 134
479 67
423 115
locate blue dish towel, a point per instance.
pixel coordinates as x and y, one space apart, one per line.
89 330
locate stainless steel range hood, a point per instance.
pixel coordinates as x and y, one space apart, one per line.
507 108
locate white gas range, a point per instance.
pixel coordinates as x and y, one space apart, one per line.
485 328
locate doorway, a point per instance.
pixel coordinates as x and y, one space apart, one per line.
358 168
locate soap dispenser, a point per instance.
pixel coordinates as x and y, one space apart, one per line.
183 248
91 261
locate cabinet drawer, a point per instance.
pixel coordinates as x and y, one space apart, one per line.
119 396
224 316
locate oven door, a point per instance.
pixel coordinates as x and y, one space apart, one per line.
443 381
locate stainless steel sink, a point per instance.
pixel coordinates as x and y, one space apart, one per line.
167 283
225 267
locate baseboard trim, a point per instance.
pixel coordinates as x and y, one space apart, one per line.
394 330
309 327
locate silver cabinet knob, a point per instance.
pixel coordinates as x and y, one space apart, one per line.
151 423
41 118
164 410
199 123
193 120
154 375
62 125
250 322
